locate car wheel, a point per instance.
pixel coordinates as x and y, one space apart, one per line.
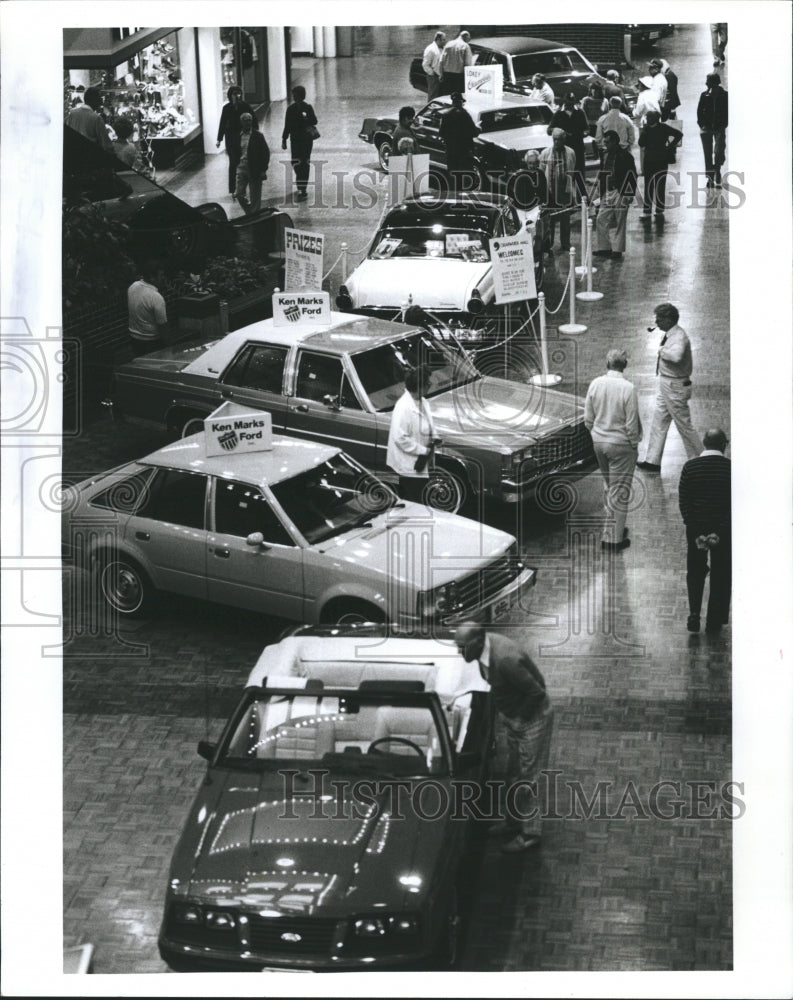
124 585
351 613
446 490
384 154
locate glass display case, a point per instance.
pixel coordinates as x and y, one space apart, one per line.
157 90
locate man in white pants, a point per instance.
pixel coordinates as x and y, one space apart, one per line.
673 368
611 415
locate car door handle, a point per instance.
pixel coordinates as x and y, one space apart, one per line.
143 536
300 408
223 553
226 392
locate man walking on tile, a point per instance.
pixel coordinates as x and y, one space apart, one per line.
673 369
705 505
712 121
252 166
617 180
611 415
523 709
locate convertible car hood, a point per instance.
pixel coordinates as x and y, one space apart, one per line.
497 413
520 139
299 854
434 283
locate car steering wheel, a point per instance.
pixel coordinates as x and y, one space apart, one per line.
393 739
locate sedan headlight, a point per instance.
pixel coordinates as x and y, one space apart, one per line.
510 464
211 917
186 913
443 600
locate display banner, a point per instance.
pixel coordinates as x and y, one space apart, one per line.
232 428
303 259
513 268
484 83
402 170
301 309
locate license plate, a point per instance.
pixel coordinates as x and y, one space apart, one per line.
501 607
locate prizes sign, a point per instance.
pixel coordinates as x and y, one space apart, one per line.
484 82
301 309
232 429
303 260
513 268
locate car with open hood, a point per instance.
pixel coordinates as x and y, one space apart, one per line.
336 384
329 831
298 530
509 127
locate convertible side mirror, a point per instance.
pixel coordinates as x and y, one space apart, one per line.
331 401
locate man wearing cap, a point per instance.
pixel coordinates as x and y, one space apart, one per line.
615 120
252 165
611 415
673 369
618 180
659 84
457 132
431 64
524 712
455 57
558 162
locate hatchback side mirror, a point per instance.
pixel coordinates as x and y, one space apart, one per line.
331 401
256 541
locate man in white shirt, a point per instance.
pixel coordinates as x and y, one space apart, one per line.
611 415
660 83
148 320
541 90
646 101
455 57
411 436
431 64
615 120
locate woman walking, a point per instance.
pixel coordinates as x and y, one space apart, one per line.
300 128
230 129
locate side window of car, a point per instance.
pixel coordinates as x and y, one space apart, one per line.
258 366
511 221
348 399
125 494
318 375
176 497
241 509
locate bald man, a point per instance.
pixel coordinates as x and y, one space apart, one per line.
523 709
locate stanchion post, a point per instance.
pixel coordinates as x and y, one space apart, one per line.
544 378
343 262
581 269
572 326
589 295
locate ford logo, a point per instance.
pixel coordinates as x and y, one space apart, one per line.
292 938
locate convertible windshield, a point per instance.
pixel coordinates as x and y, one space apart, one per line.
338 730
447 240
332 498
506 118
382 369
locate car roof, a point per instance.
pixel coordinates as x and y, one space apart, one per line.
508 100
517 44
344 334
288 457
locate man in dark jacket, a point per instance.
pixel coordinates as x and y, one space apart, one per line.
712 121
252 167
617 178
672 102
659 141
705 505
457 133
229 129
523 709
574 122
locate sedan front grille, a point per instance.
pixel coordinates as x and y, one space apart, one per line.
566 448
480 587
291 936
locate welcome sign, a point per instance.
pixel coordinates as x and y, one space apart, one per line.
234 429
513 268
301 309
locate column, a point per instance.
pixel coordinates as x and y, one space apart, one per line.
211 76
329 42
276 61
